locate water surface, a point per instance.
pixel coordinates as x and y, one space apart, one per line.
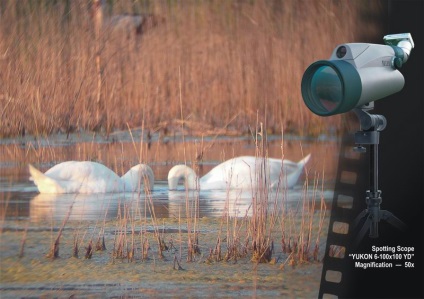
19 198
31 222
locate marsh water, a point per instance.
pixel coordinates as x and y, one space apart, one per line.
121 151
32 219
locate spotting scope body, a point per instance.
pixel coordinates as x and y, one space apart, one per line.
356 74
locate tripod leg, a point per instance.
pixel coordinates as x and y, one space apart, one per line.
364 229
359 217
393 220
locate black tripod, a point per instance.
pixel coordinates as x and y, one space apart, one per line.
371 126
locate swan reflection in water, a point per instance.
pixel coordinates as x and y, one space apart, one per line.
78 206
165 204
91 207
234 203
239 203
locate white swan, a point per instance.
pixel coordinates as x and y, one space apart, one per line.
244 172
90 177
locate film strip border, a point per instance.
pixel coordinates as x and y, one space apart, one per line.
349 199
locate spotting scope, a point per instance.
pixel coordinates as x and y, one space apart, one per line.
355 75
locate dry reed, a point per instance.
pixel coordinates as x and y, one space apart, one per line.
23 241
4 204
54 249
228 59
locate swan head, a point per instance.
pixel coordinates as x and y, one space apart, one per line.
182 173
138 176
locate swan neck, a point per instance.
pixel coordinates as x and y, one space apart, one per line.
182 173
138 176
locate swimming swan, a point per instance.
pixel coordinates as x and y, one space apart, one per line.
240 173
90 177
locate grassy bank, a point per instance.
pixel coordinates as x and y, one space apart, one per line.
212 64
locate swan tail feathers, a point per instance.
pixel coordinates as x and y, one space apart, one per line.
294 177
305 160
44 183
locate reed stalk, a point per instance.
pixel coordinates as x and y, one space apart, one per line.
75 249
4 203
23 241
54 249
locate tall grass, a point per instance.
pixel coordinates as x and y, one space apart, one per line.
136 233
227 59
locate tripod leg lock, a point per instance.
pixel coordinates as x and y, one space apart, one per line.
373 199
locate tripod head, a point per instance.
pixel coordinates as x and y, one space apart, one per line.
370 121
370 127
